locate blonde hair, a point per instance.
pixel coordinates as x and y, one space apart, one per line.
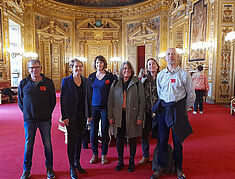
71 63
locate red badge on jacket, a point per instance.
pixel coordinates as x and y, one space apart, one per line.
172 80
107 82
43 88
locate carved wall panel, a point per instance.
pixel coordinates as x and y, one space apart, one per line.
54 47
224 67
97 37
227 11
94 50
145 32
132 56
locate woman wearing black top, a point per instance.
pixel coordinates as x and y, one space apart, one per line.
74 113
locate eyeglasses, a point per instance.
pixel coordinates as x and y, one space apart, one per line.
31 68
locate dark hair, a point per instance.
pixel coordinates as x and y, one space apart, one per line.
158 67
200 67
71 63
34 61
129 65
100 58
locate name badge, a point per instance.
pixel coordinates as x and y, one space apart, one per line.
172 80
43 88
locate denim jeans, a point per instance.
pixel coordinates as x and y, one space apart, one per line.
199 100
98 114
146 133
30 133
163 137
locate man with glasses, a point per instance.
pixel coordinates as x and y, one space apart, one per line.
37 100
176 94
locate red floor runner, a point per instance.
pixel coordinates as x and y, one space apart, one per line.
208 153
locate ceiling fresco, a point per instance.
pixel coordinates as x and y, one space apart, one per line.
101 3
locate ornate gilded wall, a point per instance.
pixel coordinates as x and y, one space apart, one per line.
58 32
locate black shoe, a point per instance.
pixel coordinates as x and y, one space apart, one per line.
119 166
25 175
159 172
131 167
80 169
180 174
73 173
50 173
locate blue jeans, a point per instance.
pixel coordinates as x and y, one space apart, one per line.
163 137
199 100
98 114
30 133
146 133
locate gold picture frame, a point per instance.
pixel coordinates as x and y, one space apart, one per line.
198 30
1 37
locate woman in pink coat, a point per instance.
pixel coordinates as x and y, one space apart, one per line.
201 88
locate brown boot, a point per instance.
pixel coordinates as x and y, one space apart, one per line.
143 161
104 159
94 159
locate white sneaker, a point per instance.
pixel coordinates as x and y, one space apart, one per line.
194 112
201 112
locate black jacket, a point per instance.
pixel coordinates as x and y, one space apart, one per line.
69 100
37 102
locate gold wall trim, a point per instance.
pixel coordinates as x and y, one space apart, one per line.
117 12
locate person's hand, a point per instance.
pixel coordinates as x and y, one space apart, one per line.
66 121
89 119
111 121
139 122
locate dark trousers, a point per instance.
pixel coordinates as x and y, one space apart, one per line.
74 143
98 114
163 137
199 100
146 133
120 140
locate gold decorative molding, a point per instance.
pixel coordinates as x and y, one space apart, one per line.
117 12
143 34
224 67
107 29
227 13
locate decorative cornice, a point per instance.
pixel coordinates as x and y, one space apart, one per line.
117 12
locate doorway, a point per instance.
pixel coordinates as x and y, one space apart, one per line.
141 57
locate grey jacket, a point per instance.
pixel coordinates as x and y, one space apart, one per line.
135 106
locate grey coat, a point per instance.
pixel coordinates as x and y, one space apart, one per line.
135 106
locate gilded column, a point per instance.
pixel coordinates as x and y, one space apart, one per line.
29 33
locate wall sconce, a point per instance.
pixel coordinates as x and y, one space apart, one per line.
83 59
15 51
115 61
230 36
180 51
162 55
31 55
207 46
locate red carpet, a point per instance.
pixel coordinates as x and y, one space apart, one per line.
209 153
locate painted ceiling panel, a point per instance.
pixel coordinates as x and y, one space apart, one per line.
101 3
